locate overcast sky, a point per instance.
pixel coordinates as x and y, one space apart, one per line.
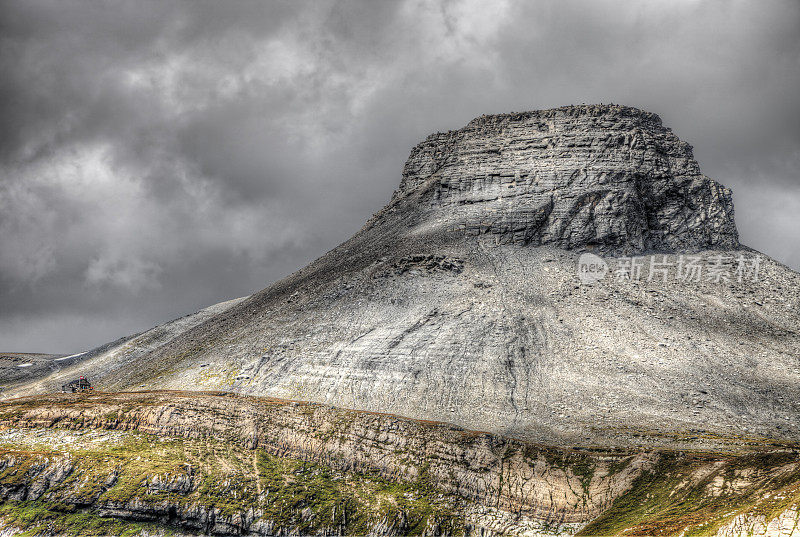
158 157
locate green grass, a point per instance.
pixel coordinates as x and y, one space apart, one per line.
694 493
585 471
353 501
298 496
36 517
676 496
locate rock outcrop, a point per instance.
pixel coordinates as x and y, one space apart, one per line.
221 464
604 177
786 524
542 484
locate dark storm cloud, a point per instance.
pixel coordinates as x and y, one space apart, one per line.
159 157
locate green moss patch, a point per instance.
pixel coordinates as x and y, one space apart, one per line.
173 475
697 496
310 496
40 517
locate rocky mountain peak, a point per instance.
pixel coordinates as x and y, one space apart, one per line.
604 177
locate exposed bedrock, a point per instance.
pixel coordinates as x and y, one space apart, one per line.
606 177
222 464
541 483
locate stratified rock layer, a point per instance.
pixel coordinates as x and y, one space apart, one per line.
611 178
219 464
541 483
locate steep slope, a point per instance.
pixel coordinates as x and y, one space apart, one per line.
460 301
124 353
22 366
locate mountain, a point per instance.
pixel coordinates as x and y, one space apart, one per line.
551 329
463 299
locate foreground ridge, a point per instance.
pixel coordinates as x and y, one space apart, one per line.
222 464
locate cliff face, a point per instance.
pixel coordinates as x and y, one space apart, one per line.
543 484
460 301
218 464
604 177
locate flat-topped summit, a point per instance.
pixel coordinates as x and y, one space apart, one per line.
607 177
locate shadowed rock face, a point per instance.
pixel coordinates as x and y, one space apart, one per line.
460 300
606 177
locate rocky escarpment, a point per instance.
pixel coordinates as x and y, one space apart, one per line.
547 485
787 523
216 464
132 488
609 178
